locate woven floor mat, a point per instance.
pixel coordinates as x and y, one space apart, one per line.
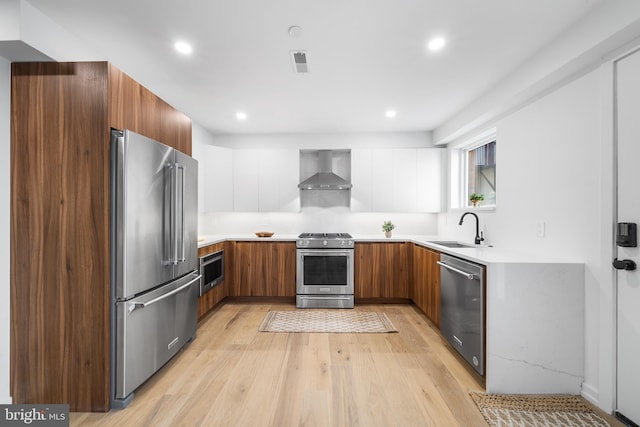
533 411
326 321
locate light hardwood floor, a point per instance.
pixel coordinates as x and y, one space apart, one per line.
233 375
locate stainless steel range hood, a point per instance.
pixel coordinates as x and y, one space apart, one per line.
325 178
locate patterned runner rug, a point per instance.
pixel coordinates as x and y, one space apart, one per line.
533 411
326 321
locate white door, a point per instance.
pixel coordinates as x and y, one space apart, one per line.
628 296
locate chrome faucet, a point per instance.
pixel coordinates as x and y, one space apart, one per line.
479 238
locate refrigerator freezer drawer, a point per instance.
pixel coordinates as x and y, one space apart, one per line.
152 328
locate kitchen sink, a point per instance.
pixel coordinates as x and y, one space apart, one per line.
454 244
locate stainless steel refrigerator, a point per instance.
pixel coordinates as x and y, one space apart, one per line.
155 278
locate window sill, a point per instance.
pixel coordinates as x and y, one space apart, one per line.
472 209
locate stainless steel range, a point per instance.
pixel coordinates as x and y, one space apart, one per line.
324 270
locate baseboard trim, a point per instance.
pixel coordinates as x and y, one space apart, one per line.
591 394
259 300
369 300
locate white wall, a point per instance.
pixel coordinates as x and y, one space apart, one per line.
9 25
550 169
337 219
328 140
45 35
332 220
5 193
606 29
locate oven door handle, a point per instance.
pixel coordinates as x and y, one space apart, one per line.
326 252
208 259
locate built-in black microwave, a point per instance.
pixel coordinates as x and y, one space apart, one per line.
212 271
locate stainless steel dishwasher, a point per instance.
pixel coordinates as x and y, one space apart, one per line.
462 308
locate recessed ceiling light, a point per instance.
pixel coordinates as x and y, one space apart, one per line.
241 115
391 113
183 47
436 44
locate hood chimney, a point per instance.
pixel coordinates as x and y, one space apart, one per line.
325 178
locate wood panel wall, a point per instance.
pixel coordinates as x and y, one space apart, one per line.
60 253
382 270
59 235
132 106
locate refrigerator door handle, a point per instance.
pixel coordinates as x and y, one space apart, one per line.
180 252
134 305
173 213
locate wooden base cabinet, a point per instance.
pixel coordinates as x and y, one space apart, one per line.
425 289
264 269
61 116
382 270
212 297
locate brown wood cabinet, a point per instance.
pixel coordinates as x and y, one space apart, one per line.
61 115
210 299
425 289
264 269
382 270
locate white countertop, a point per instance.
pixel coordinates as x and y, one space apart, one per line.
481 254
211 239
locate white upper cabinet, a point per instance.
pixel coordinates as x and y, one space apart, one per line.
405 192
215 170
429 179
397 180
278 181
246 176
382 181
361 179
265 180
268 185
260 180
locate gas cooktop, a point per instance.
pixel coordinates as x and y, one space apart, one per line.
325 236
325 240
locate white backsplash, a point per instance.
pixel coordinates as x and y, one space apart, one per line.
316 220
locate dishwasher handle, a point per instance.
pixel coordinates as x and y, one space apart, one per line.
469 276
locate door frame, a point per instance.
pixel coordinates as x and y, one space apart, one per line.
612 230
602 337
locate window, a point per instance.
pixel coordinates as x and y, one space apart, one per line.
481 174
473 171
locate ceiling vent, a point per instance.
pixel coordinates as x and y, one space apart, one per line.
299 59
